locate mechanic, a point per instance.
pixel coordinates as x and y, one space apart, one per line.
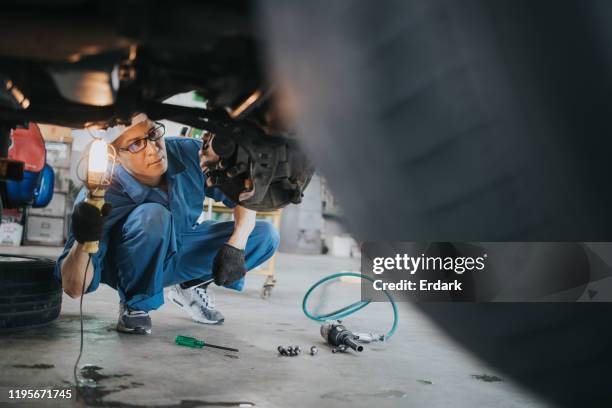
149 235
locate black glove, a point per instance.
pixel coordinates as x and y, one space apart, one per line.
228 265
88 221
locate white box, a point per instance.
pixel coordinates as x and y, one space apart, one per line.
55 208
340 246
67 221
45 230
58 155
10 234
62 180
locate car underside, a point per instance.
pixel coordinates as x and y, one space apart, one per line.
85 64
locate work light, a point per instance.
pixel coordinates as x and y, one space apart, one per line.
100 164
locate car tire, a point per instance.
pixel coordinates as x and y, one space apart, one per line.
438 120
30 296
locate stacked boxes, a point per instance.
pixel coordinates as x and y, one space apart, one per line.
47 225
11 230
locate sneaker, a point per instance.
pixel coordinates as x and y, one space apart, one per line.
133 321
198 302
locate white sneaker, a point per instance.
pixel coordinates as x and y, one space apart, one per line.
198 302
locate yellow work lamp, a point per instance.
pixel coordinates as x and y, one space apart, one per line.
100 166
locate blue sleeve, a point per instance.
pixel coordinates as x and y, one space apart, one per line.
217 195
192 147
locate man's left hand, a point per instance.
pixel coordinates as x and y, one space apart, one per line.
208 157
228 265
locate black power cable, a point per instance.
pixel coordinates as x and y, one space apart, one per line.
76 364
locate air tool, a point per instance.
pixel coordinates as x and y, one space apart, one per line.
337 335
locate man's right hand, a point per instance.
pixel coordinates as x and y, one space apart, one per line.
88 221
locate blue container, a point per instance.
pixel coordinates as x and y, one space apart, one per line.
43 193
20 193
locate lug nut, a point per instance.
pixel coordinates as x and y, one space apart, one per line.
290 351
340 349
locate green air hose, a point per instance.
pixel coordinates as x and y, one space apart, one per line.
350 309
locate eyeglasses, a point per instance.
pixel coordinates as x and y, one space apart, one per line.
153 134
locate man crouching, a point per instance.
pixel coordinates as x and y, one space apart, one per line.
149 235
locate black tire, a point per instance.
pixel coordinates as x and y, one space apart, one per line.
472 121
475 120
30 296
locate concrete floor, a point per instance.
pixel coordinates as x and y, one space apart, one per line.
419 367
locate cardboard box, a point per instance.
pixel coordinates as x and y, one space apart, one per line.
56 208
10 234
52 133
58 155
45 230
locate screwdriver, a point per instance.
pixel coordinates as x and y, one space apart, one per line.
195 343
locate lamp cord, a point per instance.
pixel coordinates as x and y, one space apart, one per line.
76 364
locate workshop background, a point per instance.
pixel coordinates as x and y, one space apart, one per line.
421 366
314 227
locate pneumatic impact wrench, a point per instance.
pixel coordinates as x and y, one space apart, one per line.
338 336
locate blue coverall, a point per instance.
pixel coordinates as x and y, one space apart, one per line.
151 239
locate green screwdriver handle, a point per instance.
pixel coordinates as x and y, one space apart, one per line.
195 343
189 342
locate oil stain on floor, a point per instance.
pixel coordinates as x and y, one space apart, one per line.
93 393
34 366
348 397
487 377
